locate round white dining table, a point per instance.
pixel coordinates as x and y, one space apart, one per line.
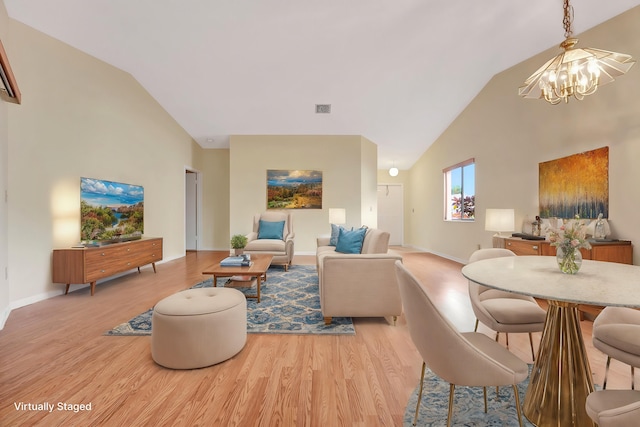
561 378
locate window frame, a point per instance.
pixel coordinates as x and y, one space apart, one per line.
447 190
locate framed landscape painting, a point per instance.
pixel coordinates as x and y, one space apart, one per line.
575 185
294 189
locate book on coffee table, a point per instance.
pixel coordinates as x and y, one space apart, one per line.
235 261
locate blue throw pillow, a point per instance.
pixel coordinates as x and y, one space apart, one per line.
270 229
350 242
335 231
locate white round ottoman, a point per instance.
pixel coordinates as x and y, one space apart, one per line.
198 327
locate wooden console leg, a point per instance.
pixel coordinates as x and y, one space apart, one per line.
153 264
66 291
93 288
327 321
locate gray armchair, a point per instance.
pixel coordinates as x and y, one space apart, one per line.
276 237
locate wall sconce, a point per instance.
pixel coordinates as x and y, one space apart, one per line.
337 216
499 220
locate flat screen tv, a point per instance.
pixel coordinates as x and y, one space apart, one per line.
110 211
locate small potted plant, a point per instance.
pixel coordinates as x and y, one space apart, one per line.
238 242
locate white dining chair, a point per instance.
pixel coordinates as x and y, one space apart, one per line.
614 408
504 311
466 359
616 333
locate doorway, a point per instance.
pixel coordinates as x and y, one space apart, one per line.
192 209
391 212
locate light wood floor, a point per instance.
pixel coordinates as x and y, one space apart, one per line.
54 351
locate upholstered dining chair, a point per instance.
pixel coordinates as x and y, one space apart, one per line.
616 333
466 359
504 311
272 234
614 408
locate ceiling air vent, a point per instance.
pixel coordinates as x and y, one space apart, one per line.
323 108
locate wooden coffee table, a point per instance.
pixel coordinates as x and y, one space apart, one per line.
258 269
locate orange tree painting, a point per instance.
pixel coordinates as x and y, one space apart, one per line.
294 189
575 185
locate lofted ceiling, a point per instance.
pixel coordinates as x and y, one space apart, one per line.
397 72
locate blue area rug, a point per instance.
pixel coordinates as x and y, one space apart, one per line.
289 304
468 405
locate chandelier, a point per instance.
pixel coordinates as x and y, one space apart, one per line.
574 72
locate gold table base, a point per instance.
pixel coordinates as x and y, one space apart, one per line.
561 378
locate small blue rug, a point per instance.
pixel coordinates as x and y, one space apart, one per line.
289 304
468 405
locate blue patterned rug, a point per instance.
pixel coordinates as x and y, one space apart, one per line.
289 304
468 405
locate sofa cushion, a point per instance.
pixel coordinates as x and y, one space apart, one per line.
266 246
350 242
270 229
335 231
375 242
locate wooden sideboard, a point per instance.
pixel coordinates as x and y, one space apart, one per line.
618 251
90 264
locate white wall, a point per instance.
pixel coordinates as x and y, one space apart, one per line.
4 146
81 117
348 168
509 136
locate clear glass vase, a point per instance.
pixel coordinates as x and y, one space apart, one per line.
569 259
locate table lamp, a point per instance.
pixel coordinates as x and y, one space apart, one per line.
499 220
337 216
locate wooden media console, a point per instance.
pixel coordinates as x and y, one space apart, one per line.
90 264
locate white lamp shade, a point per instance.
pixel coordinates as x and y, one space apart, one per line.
499 220
337 216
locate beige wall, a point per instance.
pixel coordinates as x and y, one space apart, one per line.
510 136
81 117
369 183
214 168
348 165
4 146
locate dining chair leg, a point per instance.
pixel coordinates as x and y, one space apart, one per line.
633 377
415 418
606 373
533 354
506 337
497 336
484 391
518 409
476 328
452 388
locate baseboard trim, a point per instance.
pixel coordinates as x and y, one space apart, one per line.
4 315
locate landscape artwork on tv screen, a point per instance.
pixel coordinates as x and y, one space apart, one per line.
110 211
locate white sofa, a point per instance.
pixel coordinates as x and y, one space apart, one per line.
358 285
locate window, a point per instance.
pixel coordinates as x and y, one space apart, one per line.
460 191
